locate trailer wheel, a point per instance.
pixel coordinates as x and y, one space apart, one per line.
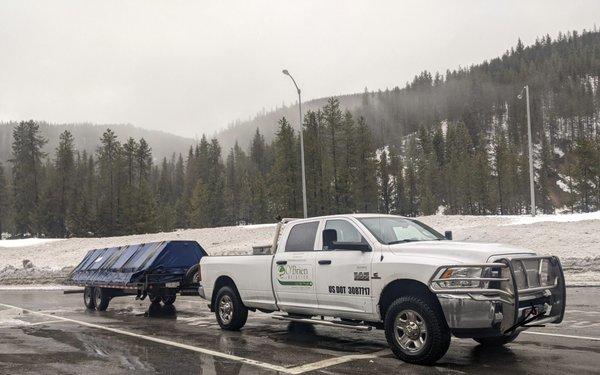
168 299
416 331
497 340
88 298
154 298
101 299
229 309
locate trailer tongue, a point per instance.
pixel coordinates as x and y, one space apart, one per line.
158 270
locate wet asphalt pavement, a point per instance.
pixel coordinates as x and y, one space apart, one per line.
46 332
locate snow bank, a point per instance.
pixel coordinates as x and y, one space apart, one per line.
24 242
562 218
573 238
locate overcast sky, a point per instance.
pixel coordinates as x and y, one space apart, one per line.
192 67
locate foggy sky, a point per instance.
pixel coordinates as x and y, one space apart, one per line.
192 67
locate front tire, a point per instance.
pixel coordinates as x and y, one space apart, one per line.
497 340
230 311
416 330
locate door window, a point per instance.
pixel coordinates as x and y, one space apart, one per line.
302 237
345 232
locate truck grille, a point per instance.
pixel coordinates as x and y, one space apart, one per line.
533 273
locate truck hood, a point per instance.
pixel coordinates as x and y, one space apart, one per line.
457 252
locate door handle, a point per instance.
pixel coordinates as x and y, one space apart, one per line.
281 262
325 261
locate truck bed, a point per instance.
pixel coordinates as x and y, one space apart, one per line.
250 273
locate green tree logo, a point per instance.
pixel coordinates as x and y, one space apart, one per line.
281 271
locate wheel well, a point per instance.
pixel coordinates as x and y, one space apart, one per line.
219 283
404 287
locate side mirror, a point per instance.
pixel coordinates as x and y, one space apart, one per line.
448 234
356 246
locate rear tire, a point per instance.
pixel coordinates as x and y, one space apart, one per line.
230 311
88 298
416 330
497 340
101 299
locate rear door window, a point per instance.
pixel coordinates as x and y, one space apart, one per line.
302 237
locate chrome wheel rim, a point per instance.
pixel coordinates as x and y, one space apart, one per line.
226 309
410 331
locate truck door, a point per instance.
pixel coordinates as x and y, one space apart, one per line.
294 270
343 270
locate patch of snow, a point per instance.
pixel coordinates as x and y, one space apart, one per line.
564 187
258 226
441 209
562 218
24 242
444 125
558 151
39 287
380 151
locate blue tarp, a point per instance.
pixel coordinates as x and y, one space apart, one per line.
155 261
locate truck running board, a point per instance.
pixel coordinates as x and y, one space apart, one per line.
358 327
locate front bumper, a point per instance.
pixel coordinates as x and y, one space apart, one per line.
508 302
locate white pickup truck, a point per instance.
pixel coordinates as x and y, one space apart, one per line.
388 272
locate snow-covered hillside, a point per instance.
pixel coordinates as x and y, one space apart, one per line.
574 238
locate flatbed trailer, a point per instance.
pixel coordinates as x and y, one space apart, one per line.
157 270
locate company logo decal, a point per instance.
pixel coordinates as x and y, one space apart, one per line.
294 275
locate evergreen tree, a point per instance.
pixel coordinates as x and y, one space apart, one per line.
285 192
398 186
27 170
83 217
64 182
385 187
365 187
5 213
110 170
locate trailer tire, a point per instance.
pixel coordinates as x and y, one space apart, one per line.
191 276
88 298
230 311
168 299
101 299
154 298
416 330
496 340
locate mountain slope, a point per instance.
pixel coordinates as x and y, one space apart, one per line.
563 75
87 137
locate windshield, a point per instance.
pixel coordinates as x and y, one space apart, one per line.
391 230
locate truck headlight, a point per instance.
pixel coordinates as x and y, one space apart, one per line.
460 273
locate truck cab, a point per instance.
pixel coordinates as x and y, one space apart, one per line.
392 273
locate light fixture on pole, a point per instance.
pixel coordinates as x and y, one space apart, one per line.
304 208
530 145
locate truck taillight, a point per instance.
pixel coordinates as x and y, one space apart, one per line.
198 275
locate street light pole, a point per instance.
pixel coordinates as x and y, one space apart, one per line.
304 208
530 145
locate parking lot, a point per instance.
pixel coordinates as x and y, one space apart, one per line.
45 331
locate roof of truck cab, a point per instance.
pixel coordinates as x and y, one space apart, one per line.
356 216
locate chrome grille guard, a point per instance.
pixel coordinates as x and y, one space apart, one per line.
499 283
